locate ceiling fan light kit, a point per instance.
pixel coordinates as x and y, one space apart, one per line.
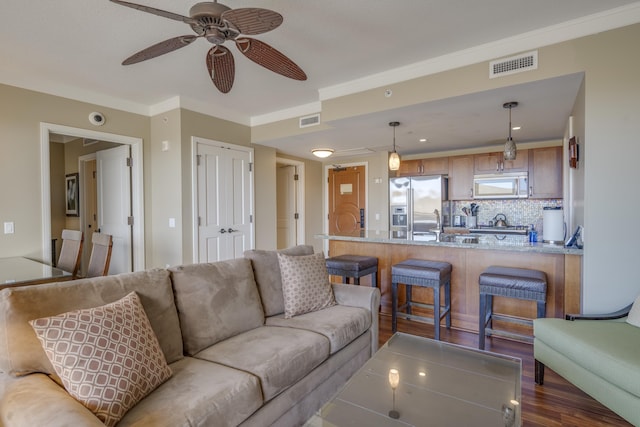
394 157
322 153
510 150
218 23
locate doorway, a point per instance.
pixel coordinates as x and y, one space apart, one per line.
347 198
290 203
223 226
136 186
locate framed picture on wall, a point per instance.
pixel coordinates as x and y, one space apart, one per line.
573 153
72 193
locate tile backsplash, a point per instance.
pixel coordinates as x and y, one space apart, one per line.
517 211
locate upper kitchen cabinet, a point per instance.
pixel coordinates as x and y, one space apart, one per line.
495 163
545 173
461 177
435 166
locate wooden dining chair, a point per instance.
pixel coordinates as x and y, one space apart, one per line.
69 259
100 255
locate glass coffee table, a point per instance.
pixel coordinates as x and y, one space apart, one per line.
434 384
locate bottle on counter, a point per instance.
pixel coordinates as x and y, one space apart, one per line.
533 234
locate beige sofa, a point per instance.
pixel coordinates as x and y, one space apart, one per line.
235 359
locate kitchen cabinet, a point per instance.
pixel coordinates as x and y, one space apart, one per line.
495 163
545 173
461 177
434 166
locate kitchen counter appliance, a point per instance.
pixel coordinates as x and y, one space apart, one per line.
419 207
501 186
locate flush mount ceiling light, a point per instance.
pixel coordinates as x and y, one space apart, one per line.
394 158
322 152
510 150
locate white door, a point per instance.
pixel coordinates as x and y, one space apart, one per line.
286 180
114 205
224 201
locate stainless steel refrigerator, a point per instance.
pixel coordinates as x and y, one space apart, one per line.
419 207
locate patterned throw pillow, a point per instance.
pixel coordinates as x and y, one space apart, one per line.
634 314
107 357
305 284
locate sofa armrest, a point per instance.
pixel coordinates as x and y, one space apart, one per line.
607 316
36 400
365 297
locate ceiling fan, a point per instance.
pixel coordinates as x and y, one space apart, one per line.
218 23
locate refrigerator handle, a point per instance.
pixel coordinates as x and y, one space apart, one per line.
409 212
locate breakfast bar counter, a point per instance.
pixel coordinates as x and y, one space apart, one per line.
561 265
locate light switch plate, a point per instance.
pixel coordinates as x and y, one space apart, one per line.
9 228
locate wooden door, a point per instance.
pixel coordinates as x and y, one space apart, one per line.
346 199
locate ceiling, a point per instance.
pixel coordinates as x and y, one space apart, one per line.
75 48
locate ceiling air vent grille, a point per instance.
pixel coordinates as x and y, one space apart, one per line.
307 121
515 64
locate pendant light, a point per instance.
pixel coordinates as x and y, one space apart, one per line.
510 150
394 158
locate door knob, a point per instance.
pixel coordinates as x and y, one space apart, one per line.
222 231
231 230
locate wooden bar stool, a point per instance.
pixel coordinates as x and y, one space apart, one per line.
355 266
509 282
423 273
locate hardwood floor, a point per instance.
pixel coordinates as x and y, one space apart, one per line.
556 403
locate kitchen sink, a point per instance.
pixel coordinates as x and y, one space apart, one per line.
458 238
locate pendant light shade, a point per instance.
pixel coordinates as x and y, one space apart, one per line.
394 158
510 150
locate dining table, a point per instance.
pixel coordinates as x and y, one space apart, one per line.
22 271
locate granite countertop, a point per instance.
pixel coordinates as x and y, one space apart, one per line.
377 236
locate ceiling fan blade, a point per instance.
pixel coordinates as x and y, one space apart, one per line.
221 68
160 49
155 11
253 20
270 58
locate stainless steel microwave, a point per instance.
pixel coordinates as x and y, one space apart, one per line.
501 186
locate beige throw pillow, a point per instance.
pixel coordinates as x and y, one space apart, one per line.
107 357
634 314
305 284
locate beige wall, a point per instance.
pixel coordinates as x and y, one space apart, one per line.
21 112
166 189
607 125
609 154
199 125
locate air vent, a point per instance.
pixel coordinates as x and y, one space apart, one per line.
353 152
312 120
515 64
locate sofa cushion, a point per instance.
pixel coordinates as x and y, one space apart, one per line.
216 301
199 393
340 324
606 348
20 350
267 274
305 284
634 314
107 357
278 356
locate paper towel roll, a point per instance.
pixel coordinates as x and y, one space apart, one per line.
553 225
